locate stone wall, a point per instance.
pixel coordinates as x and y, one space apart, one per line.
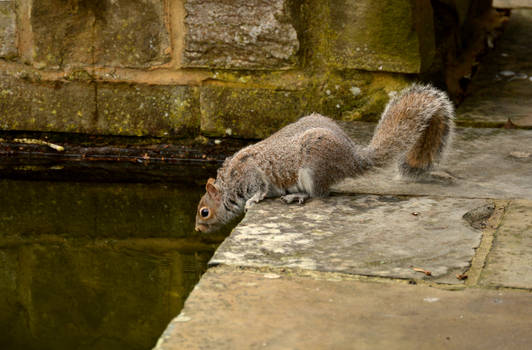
181 68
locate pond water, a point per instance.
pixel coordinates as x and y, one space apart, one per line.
88 265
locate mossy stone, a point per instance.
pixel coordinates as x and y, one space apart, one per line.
8 44
46 106
144 110
249 113
383 35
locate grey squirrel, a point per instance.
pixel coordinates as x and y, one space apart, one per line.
305 158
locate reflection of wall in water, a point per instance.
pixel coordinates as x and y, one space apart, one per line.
88 292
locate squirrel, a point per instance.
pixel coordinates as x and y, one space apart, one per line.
303 159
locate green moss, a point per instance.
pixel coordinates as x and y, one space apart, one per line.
249 113
79 75
357 34
142 110
255 112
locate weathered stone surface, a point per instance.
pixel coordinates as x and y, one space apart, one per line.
231 309
512 4
239 34
367 235
104 32
147 110
509 262
360 35
8 45
482 163
119 109
502 89
250 113
46 106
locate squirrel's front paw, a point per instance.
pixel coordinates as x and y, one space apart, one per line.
299 197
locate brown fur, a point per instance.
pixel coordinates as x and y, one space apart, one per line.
305 158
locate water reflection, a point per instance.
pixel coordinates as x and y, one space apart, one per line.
95 266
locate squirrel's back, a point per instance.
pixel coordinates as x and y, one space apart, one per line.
282 155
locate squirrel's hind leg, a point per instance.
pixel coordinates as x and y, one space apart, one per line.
328 156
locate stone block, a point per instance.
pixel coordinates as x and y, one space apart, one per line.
119 109
509 263
147 110
46 106
103 32
239 34
512 4
502 89
249 113
477 166
241 309
366 235
385 35
8 45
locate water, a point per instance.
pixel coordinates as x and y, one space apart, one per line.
96 265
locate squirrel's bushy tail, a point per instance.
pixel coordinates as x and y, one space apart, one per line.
415 128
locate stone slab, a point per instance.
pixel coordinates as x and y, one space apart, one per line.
502 88
8 29
231 309
482 163
512 4
509 262
367 235
239 34
108 32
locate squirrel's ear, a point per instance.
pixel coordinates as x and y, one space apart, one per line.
211 188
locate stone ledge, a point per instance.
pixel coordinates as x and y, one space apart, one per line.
509 263
512 4
367 235
231 309
502 89
476 167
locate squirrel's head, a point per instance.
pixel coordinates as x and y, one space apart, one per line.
208 216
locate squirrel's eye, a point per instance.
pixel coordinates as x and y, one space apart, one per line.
204 212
